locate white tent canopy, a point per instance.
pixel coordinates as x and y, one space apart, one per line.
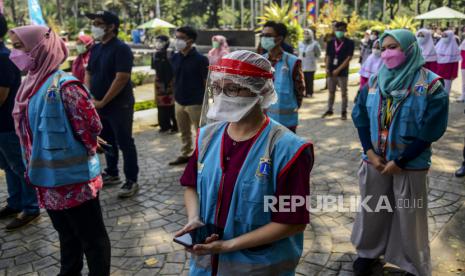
441 13
156 23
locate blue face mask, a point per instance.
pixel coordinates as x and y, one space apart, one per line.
267 43
420 40
339 34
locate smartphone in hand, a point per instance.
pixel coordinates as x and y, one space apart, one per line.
198 235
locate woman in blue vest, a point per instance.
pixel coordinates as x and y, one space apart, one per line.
243 161
58 126
402 111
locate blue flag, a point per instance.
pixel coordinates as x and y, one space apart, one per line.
35 13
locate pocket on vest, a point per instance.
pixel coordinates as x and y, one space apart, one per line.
52 133
251 206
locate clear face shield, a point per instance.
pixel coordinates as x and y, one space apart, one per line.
231 92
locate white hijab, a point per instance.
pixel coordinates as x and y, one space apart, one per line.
448 49
427 46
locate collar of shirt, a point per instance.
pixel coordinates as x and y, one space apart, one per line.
191 52
275 59
110 42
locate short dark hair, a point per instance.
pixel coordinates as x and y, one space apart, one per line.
375 32
189 31
279 28
341 24
3 26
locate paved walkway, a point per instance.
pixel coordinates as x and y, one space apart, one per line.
141 228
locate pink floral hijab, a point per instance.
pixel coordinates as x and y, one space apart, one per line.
48 51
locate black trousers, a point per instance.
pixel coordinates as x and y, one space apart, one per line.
82 232
117 131
167 118
308 76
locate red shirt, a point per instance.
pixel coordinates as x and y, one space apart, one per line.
295 181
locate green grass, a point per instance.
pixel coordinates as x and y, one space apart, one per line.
139 106
320 76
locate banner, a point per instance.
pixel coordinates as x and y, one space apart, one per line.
296 9
35 13
311 11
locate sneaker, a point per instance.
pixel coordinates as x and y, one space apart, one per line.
173 131
181 160
110 179
7 212
364 266
21 220
460 172
344 116
128 189
327 114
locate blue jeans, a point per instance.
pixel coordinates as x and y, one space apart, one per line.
21 196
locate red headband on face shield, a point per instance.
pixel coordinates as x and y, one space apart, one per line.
237 67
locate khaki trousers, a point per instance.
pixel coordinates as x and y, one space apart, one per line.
187 116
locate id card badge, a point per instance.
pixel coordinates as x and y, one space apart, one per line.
335 61
383 139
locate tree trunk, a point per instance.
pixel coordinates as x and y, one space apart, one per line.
59 12
13 11
242 14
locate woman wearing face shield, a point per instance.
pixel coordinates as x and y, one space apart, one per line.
402 111
164 96
242 157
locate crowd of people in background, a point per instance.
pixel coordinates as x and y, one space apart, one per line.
254 107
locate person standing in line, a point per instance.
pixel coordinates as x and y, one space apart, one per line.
398 116
372 65
83 45
164 96
426 43
365 47
462 69
309 52
58 129
339 52
22 198
219 49
108 77
448 59
288 76
240 159
190 75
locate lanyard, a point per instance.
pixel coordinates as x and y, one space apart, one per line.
388 117
338 47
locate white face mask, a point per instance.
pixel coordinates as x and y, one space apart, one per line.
377 52
180 44
231 109
97 32
373 37
159 45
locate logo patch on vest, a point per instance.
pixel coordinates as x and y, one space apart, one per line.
420 89
199 167
264 167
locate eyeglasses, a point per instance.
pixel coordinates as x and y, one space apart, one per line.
229 90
